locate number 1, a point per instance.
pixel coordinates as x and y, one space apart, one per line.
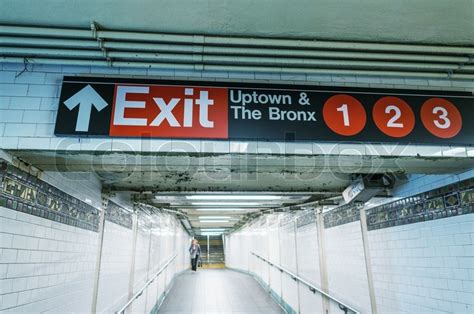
345 114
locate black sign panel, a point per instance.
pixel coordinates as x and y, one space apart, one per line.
242 111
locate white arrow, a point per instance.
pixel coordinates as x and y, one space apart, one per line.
85 99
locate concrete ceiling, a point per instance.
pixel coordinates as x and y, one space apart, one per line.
168 179
420 21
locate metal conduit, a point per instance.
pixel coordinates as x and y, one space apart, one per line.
218 53
164 57
156 47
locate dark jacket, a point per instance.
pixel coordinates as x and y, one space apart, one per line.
195 250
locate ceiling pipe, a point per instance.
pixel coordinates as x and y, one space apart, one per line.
232 41
225 51
224 60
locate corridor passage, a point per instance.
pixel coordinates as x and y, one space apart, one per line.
218 291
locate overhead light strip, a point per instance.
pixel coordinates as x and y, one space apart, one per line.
233 197
226 204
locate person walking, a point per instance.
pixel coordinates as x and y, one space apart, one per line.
195 251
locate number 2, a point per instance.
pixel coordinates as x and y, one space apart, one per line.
398 113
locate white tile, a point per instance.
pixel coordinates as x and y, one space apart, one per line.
127 145
30 78
49 103
133 71
7 76
216 74
352 149
429 150
267 76
242 75
33 143
470 151
20 129
9 142
184 146
11 115
4 102
13 89
9 300
299 148
453 151
464 83
160 72
325 149
47 68
243 147
39 116
270 148
318 78
30 103
215 146
43 90
64 143
96 144
76 69
44 130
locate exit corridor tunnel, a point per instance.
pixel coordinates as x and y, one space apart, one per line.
96 229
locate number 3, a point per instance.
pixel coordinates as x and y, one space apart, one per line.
446 123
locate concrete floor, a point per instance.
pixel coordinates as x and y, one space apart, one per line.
218 291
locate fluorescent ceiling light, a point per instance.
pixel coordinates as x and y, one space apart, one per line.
233 197
212 229
220 209
212 221
225 204
211 233
214 217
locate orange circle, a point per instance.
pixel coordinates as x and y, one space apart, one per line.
344 115
441 118
393 116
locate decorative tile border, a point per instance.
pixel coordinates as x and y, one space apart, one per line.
23 192
306 218
118 215
285 220
342 215
451 200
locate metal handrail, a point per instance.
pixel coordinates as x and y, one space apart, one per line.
311 287
139 293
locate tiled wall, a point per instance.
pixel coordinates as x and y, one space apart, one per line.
346 269
45 265
28 105
427 267
420 260
115 267
49 254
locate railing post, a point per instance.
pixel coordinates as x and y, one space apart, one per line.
296 266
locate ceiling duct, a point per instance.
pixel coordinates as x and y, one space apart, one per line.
363 188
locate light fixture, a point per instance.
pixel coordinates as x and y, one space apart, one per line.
220 209
212 229
233 197
213 221
214 217
211 233
226 204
